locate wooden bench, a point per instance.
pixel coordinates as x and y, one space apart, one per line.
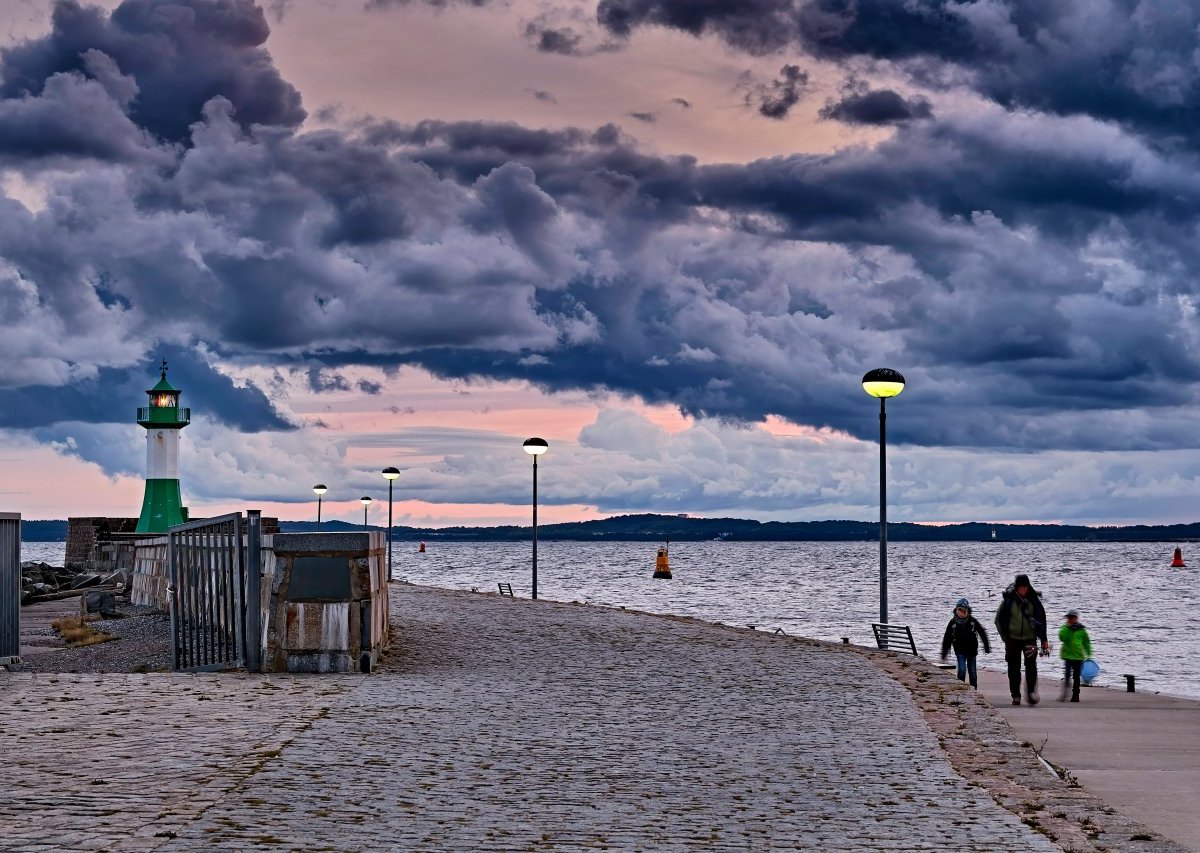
505 589
895 638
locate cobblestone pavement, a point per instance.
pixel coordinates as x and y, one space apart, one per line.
498 724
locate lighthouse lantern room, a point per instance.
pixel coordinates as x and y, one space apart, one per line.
162 506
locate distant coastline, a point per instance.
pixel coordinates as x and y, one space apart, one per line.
649 527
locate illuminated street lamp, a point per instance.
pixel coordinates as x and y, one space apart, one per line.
319 490
535 447
390 474
366 502
883 383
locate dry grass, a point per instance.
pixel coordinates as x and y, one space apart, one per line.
76 631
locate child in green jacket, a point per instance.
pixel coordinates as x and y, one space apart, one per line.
1075 647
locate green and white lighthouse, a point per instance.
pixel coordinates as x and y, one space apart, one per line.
162 506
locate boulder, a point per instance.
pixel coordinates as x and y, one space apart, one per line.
120 576
98 601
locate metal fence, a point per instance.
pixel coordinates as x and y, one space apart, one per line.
10 586
215 595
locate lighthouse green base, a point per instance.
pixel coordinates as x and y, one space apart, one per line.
162 507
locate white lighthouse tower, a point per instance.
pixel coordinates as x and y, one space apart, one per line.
162 506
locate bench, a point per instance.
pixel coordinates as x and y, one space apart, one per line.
894 638
505 589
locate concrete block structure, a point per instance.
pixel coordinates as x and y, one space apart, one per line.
329 602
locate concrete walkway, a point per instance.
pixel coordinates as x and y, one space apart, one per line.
1139 752
502 724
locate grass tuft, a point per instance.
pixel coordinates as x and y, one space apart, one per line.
76 631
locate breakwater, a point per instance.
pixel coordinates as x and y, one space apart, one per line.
1141 613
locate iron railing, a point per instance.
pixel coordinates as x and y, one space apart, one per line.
10 587
215 592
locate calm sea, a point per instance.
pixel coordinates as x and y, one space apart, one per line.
1144 617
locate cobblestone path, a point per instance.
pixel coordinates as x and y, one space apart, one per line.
498 724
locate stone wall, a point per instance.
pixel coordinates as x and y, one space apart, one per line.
85 531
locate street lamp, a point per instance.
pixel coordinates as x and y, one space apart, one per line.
390 474
366 502
535 447
319 490
883 383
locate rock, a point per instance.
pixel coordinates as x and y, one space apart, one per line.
98 601
84 580
120 576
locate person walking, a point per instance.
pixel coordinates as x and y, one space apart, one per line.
964 633
1021 624
1075 646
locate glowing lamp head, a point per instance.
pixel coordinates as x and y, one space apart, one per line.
319 489
883 382
535 446
364 500
390 473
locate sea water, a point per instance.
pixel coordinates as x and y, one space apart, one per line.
1143 616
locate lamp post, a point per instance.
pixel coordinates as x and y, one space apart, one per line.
535 447
883 383
318 490
366 502
390 474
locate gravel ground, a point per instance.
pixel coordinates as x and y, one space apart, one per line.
143 644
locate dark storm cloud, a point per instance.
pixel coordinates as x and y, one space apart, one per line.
325 381
1131 61
1021 268
876 106
73 117
561 40
114 396
176 55
756 26
776 99
437 4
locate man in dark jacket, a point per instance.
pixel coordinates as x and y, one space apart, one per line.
1021 624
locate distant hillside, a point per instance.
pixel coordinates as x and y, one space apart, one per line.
650 527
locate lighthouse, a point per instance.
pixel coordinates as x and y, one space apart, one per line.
162 506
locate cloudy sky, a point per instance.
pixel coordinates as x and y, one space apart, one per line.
668 236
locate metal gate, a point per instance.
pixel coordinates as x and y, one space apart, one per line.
10 587
215 578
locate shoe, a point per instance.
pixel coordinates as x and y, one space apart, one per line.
1016 700
1033 698
1074 698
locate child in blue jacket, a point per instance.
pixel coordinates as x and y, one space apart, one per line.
964 633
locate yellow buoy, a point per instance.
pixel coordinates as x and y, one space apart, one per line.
662 564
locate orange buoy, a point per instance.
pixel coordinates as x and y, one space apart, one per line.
1178 563
421 550
662 564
